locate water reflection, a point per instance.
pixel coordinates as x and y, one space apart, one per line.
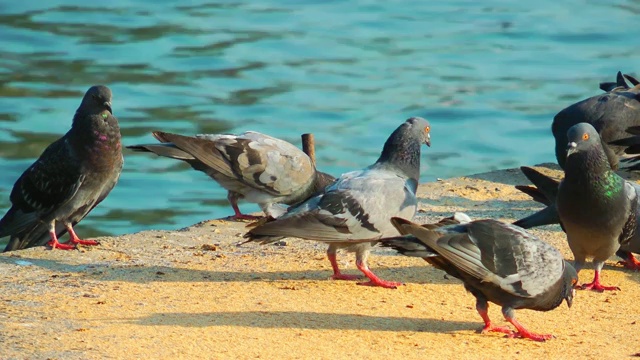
489 76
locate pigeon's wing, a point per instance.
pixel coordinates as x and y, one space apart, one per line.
257 160
45 186
357 206
629 229
501 254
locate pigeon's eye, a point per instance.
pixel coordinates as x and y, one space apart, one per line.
427 129
585 136
574 281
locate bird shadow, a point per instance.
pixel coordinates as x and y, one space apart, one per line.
156 273
304 320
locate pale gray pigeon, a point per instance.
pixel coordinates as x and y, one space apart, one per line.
596 207
252 166
71 177
359 204
497 262
611 114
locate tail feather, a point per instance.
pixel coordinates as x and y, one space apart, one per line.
546 216
409 245
166 149
546 185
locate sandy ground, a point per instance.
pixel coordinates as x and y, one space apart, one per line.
193 293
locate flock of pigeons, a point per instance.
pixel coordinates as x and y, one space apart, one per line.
497 262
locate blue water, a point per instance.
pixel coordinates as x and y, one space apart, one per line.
489 75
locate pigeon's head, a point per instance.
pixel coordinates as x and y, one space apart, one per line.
420 128
96 100
581 137
570 277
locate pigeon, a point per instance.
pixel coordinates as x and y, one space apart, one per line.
359 204
497 262
545 192
596 207
621 81
251 166
71 177
611 114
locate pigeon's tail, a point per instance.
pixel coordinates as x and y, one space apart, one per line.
545 192
546 216
408 245
545 185
165 149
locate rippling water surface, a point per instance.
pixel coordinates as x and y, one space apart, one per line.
489 76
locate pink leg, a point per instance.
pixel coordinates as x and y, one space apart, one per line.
482 310
337 275
56 245
76 240
233 199
373 279
631 263
524 333
596 285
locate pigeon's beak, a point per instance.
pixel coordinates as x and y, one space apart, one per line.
428 142
571 148
570 298
107 104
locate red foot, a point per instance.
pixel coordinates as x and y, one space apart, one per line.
596 286
74 239
373 279
337 275
381 283
56 245
500 329
631 263
524 333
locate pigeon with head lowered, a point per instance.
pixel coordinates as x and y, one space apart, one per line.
611 114
71 177
359 204
497 262
251 166
596 207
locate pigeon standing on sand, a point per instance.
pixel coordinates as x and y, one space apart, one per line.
359 204
497 262
611 114
251 166
71 177
596 207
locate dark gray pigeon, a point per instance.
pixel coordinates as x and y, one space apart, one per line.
251 166
359 204
71 177
611 114
545 191
596 208
497 262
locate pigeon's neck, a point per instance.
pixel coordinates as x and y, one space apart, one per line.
95 136
403 154
590 171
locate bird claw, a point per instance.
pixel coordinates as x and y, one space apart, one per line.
531 336
500 329
631 265
596 286
381 283
57 245
82 242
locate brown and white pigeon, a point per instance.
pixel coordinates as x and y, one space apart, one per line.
597 208
497 262
71 177
359 204
252 166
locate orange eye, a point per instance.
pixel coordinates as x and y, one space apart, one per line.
427 129
585 136
575 281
